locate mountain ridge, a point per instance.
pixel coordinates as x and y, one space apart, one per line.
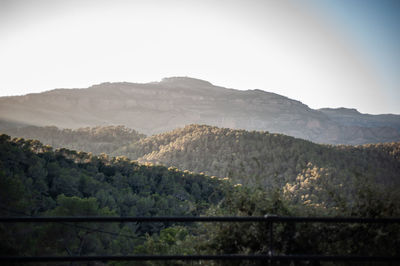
174 102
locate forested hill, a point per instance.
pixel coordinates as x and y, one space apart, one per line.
271 160
33 176
251 158
100 139
36 181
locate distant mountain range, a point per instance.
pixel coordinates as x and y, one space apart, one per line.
159 107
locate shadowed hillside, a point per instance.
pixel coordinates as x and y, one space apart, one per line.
36 181
96 140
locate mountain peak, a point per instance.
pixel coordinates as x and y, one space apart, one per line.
185 81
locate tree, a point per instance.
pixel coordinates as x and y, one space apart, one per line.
77 238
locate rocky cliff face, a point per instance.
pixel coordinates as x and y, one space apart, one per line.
175 102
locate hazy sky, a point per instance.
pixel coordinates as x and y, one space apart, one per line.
325 53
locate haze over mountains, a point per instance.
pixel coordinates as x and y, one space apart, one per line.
159 107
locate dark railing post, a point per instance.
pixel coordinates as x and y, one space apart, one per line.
271 237
270 220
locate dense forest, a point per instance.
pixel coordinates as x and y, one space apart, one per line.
307 172
274 160
37 181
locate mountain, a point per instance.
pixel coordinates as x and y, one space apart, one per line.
351 117
158 107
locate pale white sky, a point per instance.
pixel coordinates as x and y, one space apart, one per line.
277 46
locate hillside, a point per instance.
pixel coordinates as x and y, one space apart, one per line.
96 140
271 160
36 181
252 158
159 107
42 174
351 117
364 128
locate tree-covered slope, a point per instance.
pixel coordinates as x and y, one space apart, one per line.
34 180
255 158
46 173
270 160
100 139
309 172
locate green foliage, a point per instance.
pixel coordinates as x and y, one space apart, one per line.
310 173
34 180
290 238
279 175
76 238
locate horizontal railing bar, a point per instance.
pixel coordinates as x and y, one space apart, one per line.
199 257
200 219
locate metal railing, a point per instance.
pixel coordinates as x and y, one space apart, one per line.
268 219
